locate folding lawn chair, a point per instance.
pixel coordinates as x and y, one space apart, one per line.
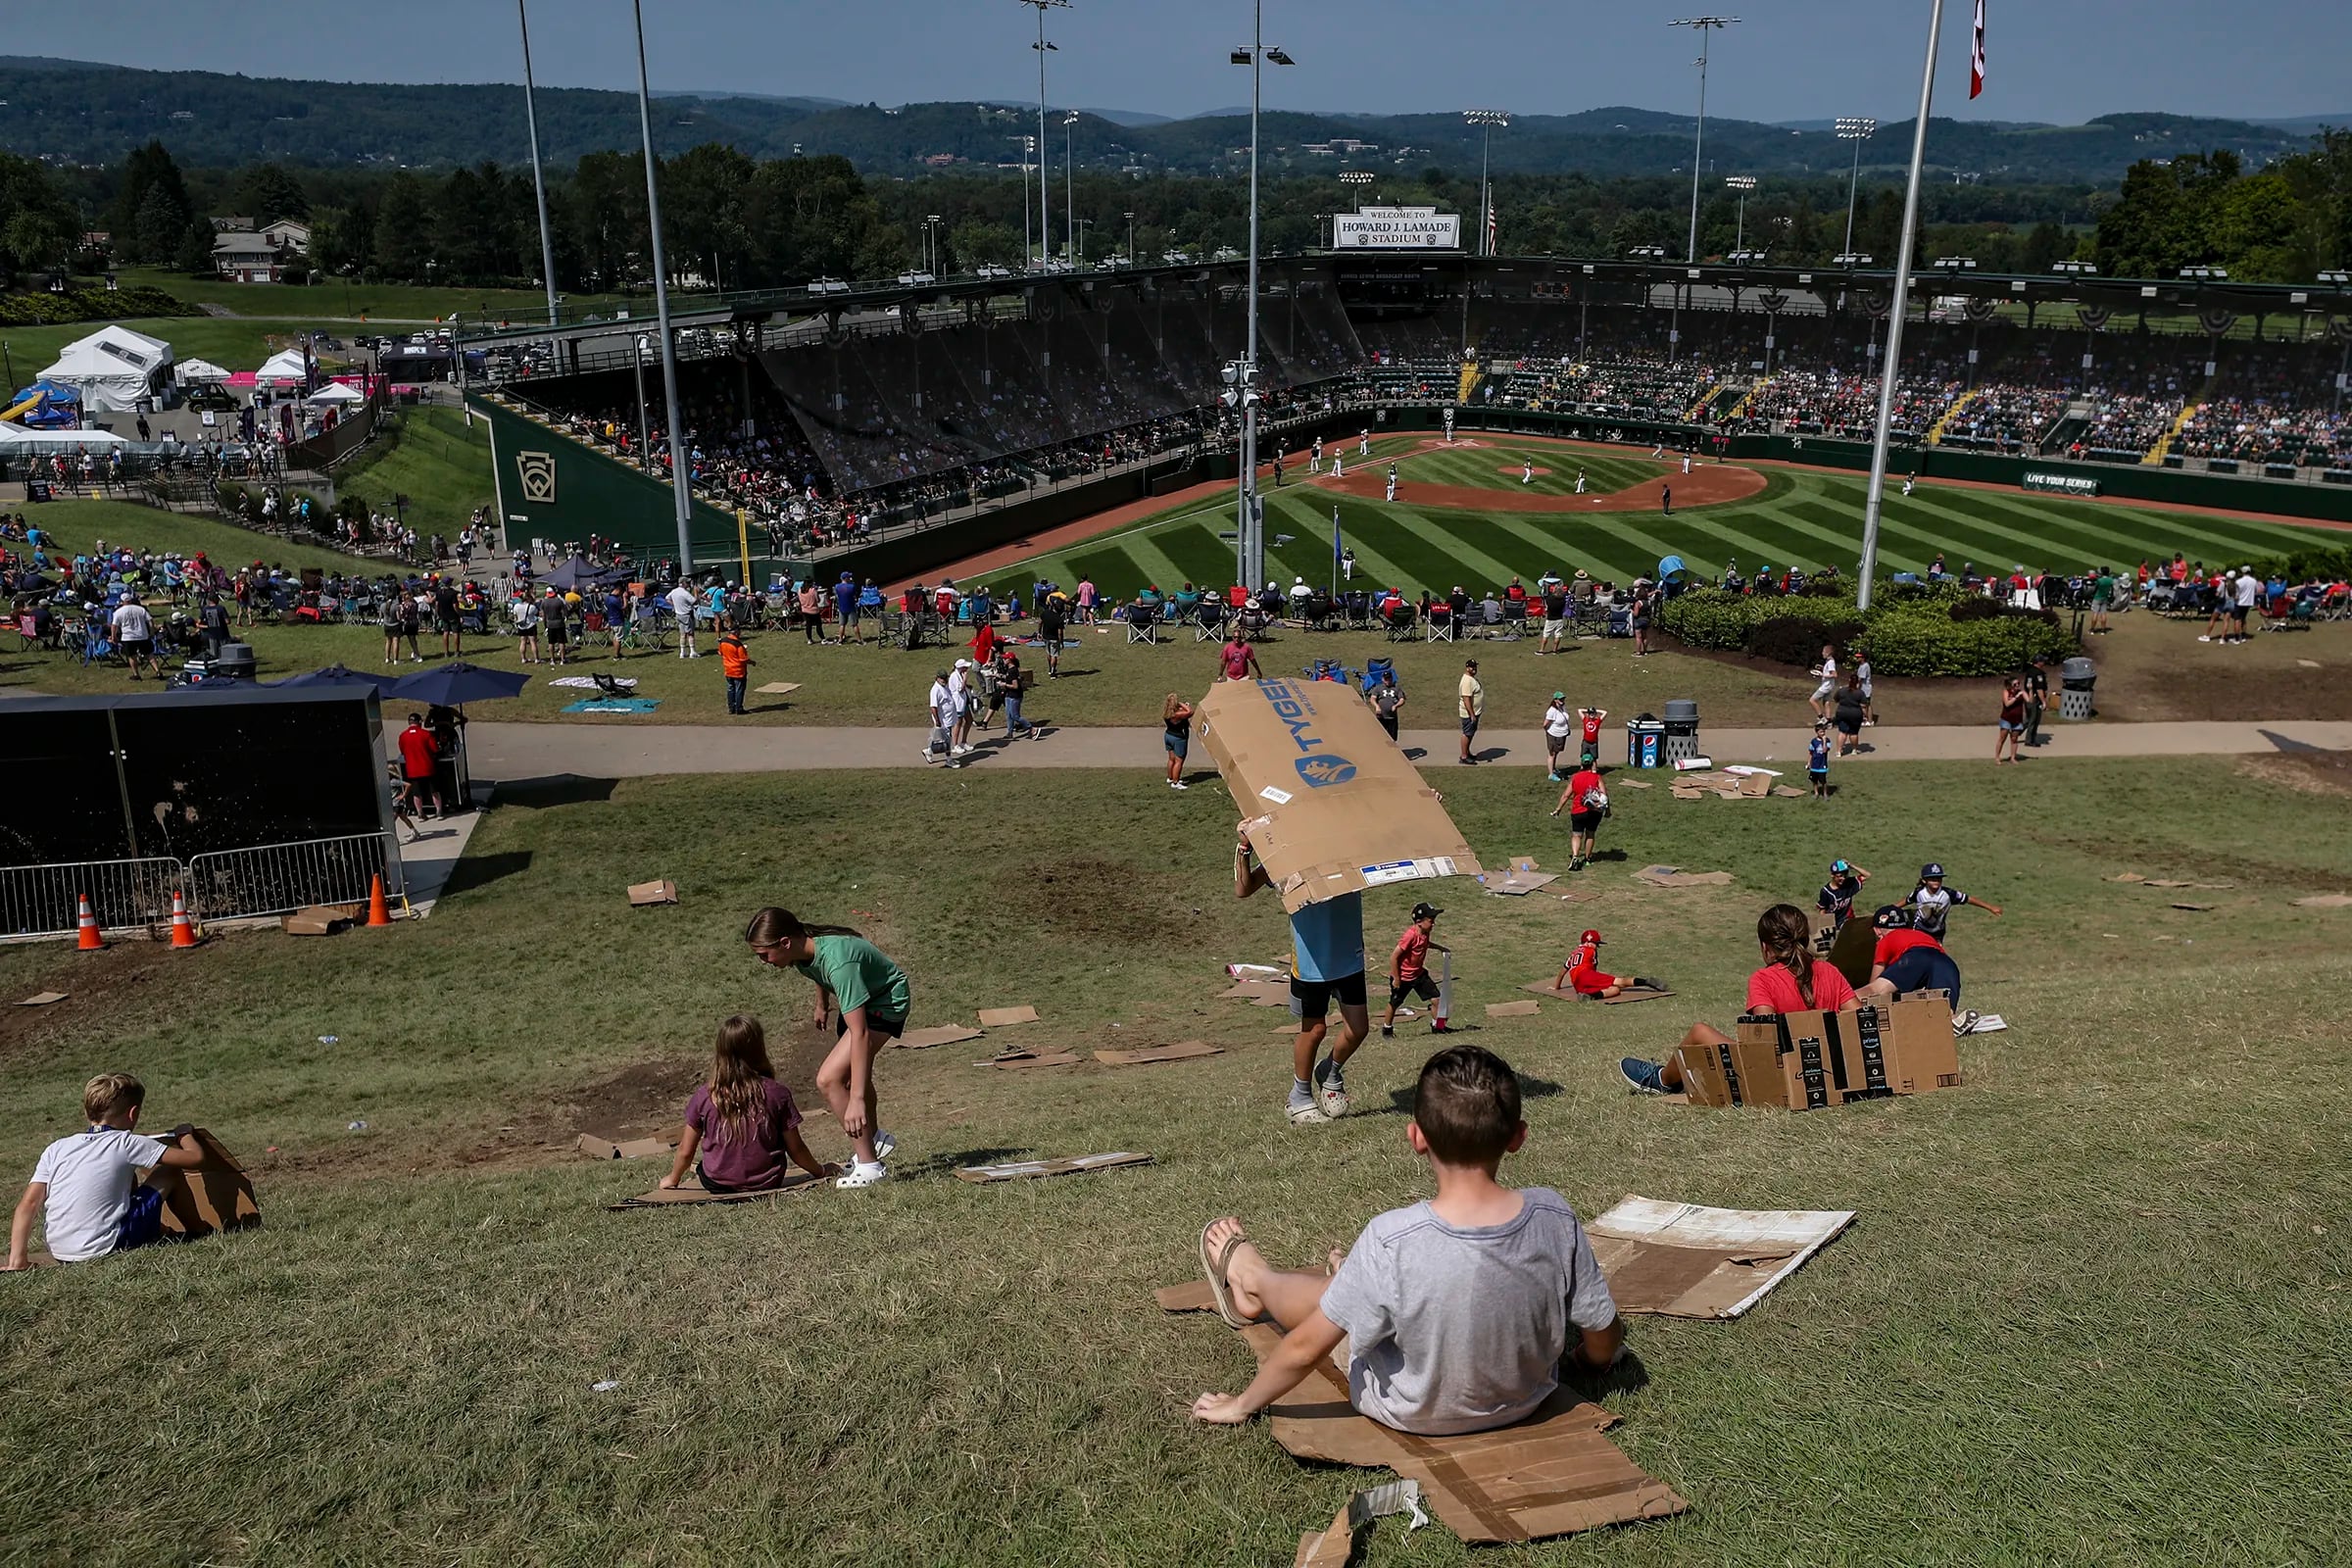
1439 628
1142 629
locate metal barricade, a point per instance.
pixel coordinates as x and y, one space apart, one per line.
45 900
278 878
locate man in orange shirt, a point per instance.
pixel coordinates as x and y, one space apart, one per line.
734 662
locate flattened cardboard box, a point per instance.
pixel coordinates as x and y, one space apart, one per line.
1687 1261
692 1191
223 1192
1026 1169
1333 804
643 894
1553 1474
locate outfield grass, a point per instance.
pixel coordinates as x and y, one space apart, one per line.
430 455
2091 1312
1800 519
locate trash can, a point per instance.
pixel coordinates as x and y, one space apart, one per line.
1682 730
2076 678
1644 742
236 659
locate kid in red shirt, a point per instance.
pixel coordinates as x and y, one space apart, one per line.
1408 965
1785 938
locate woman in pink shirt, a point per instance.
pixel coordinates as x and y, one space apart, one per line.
1791 980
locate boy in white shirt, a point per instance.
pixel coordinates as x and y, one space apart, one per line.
104 1189
1459 1310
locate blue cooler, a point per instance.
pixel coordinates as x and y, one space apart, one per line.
1644 742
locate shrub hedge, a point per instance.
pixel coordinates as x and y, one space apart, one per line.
44 309
1911 631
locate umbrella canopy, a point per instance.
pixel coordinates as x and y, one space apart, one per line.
337 392
457 683
192 372
337 676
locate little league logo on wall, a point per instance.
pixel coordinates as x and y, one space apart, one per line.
537 471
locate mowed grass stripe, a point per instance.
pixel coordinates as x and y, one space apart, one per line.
2092 534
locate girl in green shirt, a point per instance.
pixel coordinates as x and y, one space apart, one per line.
869 998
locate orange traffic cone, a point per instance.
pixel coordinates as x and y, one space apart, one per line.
183 930
89 940
378 913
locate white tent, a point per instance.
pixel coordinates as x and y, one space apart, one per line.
195 373
286 364
336 392
16 438
114 367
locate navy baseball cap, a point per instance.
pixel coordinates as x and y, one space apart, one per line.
1931 872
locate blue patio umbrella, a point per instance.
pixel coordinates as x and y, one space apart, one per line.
456 684
336 676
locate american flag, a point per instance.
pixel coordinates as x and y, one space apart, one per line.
1976 55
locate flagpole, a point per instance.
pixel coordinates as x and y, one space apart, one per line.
1875 497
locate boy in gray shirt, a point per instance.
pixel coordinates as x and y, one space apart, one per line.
1458 1311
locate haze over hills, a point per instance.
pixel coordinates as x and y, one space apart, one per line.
80 113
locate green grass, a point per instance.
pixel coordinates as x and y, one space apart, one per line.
78 526
2091 1312
1800 519
341 300
233 343
432 458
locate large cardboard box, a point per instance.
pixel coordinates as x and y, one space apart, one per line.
1921 1052
1332 806
221 1190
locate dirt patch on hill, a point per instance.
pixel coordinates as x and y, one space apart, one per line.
1101 903
2305 772
102 990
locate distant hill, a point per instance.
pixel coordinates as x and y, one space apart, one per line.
74 112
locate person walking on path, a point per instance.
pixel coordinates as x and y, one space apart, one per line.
1558 723
1011 682
1387 698
867 997
1470 706
2012 723
419 764
1825 674
1176 736
940 747
1848 707
961 706
735 663
1327 943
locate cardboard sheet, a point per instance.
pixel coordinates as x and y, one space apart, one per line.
44 998
596 1148
1543 988
1634 994
1553 1473
1181 1051
1030 1169
2318 900
939 1034
1789 792
1686 1260
692 1193
1021 1060
1264 993
778 688
1332 806
1006 1017
223 1192
1516 884
1332 1547
1512 1009
321 920
645 893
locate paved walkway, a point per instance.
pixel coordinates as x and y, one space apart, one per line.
512 753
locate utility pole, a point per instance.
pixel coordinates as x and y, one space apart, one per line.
530 119
681 479
1045 221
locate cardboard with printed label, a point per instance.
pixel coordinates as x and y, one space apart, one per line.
1332 806
1921 1052
1710 1075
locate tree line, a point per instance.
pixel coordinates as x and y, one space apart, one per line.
735 222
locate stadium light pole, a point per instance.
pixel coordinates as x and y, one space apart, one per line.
1130 239
1251 528
682 481
1028 213
1742 183
530 120
1069 187
1485 120
1045 220
1875 496
1856 128
1707 28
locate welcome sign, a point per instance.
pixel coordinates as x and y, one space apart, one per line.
1397 229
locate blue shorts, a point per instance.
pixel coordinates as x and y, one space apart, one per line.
143 1221
1176 745
1923 969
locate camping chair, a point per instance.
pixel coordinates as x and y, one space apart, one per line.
97 648
1400 625
2298 617
1514 618
1439 628
1209 621
1142 629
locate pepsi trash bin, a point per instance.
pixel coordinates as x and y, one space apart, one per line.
1644 742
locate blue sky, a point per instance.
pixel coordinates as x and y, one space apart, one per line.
2051 60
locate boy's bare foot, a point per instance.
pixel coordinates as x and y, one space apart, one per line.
1245 1266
